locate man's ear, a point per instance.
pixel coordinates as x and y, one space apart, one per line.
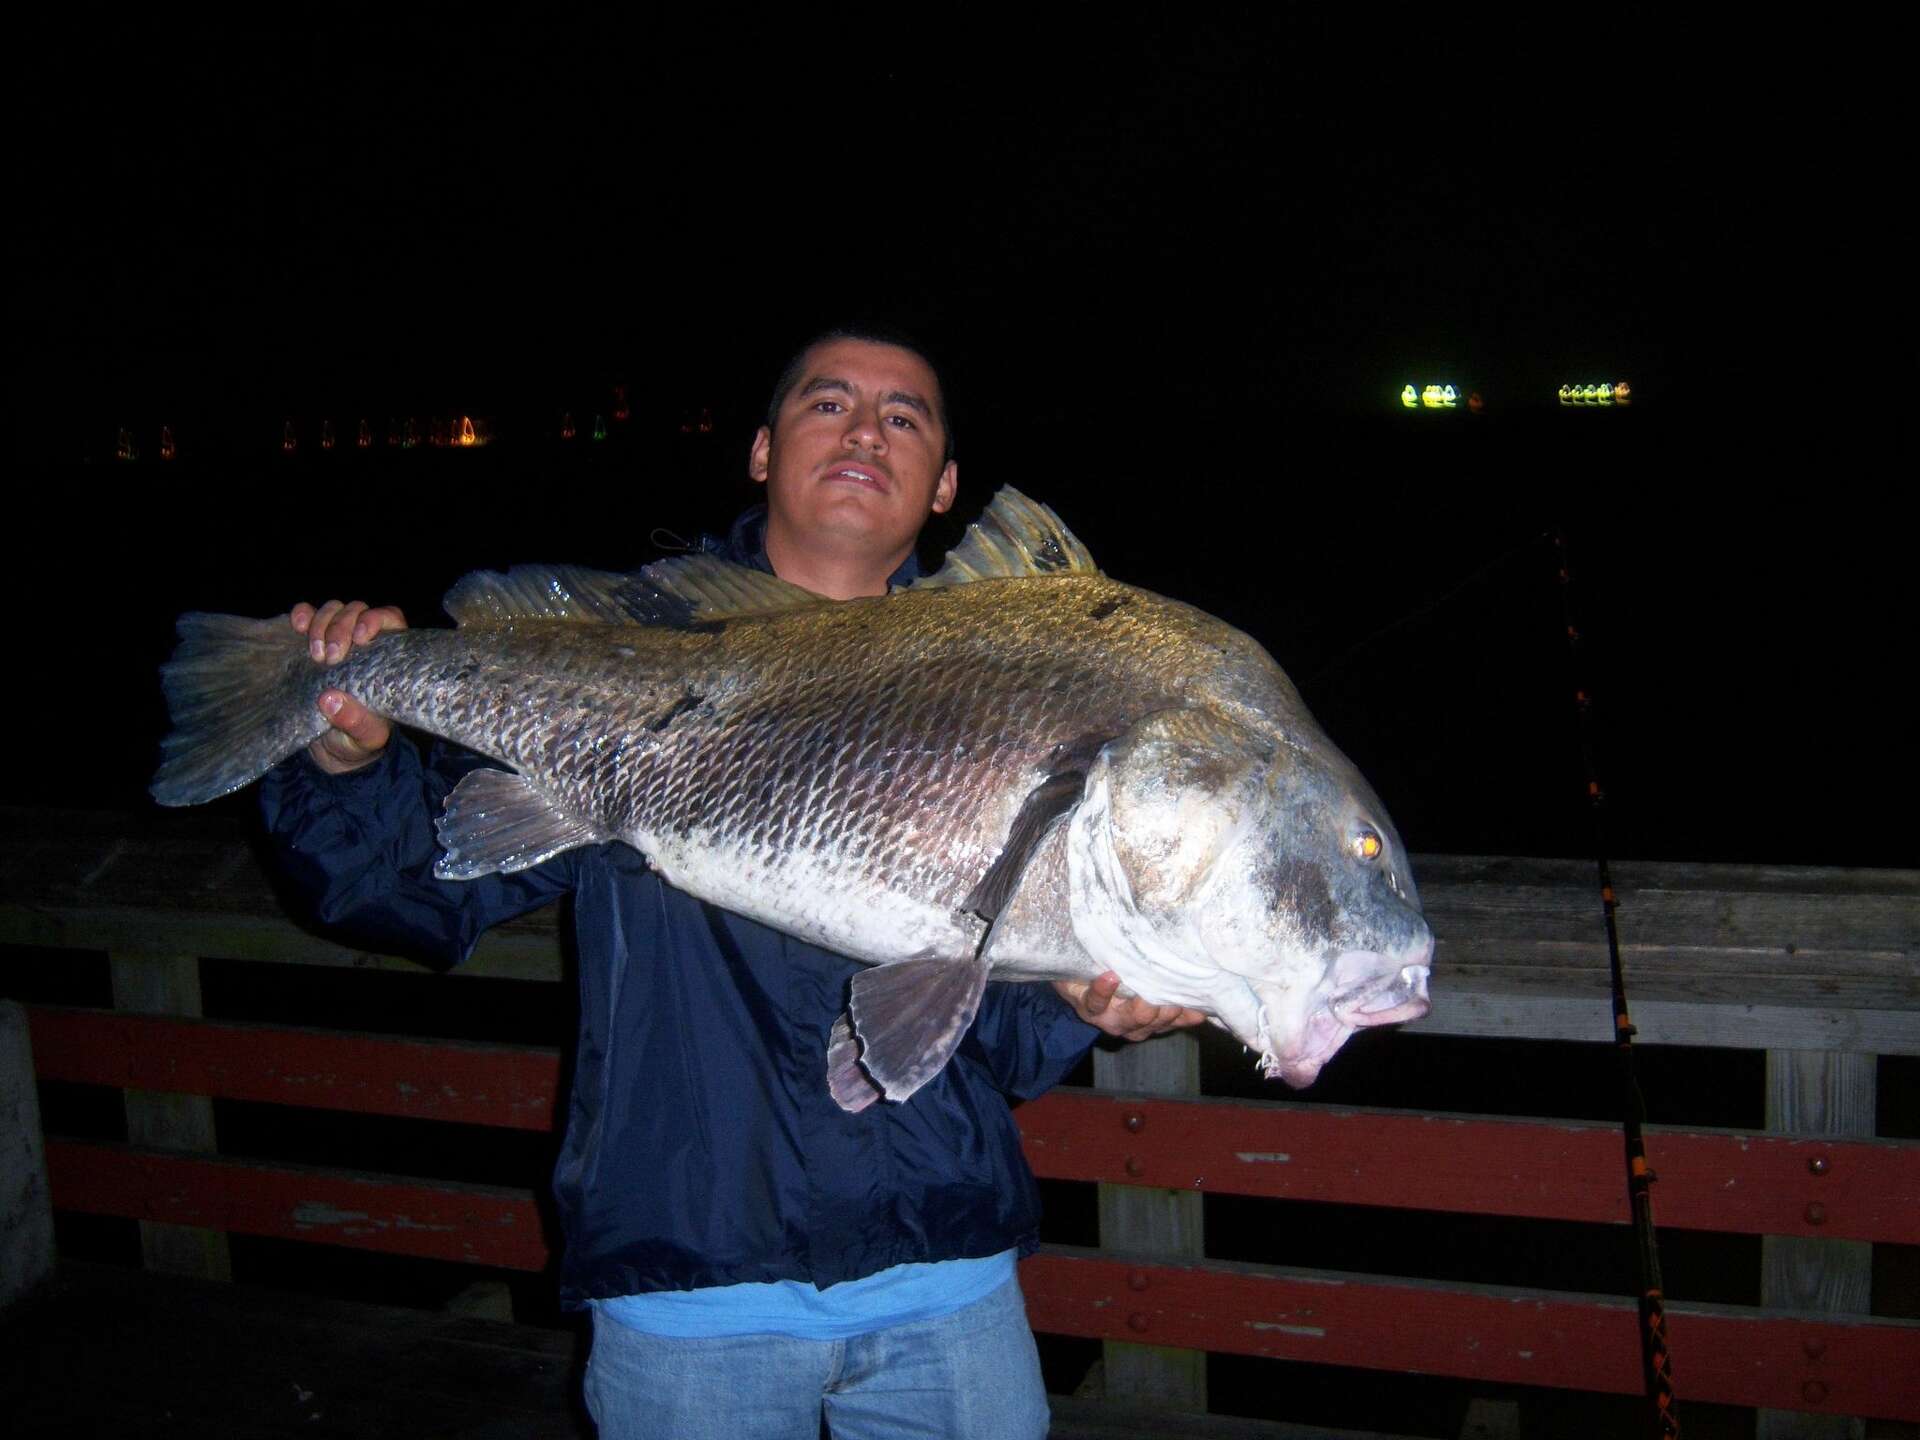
947 488
761 454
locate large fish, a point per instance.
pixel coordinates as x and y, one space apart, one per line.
1015 768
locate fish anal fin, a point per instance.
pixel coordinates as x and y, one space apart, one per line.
496 822
1045 803
909 1018
852 1090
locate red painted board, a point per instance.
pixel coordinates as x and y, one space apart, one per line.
1563 1170
1581 1342
504 1085
1708 1180
475 1224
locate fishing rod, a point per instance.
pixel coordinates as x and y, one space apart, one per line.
1656 1361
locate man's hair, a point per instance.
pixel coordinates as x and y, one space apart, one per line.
791 375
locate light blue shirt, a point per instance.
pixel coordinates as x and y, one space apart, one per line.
899 1296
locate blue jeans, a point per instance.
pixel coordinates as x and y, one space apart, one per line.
971 1375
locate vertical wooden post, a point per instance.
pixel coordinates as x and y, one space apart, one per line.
1157 1222
26 1213
1815 1092
169 985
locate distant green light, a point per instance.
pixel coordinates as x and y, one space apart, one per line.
1617 393
1429 397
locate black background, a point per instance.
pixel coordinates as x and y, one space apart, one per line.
1177 272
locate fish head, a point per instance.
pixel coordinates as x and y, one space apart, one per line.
1253 876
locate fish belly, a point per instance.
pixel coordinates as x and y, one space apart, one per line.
820 898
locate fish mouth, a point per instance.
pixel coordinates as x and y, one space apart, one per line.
1389 999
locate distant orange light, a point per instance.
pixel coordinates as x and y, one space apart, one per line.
467 438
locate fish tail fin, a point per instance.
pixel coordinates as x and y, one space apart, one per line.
241 696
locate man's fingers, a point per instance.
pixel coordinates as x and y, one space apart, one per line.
1100 993
317 628
1141 1019
340 631
378 621
336 627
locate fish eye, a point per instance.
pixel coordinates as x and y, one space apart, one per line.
1367 846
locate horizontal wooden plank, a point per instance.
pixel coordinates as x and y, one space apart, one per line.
506 1085
1733 1356
522 952
1708 1180
1801 957
1497 1009
1724 1355
474 1224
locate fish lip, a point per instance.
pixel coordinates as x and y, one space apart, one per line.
1378 1000
1390 1000
1325 1033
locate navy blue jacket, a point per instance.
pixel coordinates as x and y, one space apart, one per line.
701 1145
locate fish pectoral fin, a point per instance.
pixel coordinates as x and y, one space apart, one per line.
496 822
1045 803
908 1018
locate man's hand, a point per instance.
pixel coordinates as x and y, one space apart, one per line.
1130 1019
358 735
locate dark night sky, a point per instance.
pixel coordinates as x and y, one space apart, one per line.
1179 272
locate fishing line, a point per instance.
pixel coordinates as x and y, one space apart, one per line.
1473 576
1656 1360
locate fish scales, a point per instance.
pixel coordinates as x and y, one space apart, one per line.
1043 770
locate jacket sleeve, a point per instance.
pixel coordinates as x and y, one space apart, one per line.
358 850
1027 1037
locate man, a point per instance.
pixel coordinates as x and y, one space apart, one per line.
751 1252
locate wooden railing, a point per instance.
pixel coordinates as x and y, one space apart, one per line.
1819 968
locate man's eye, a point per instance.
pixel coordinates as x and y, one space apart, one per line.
831 407
904 421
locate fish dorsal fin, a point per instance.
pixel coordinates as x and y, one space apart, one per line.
682 593
1016 538
703 589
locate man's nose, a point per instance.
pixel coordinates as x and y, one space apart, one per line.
864 430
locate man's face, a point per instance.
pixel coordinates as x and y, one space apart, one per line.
856 462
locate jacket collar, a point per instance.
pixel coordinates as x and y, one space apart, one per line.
746 544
